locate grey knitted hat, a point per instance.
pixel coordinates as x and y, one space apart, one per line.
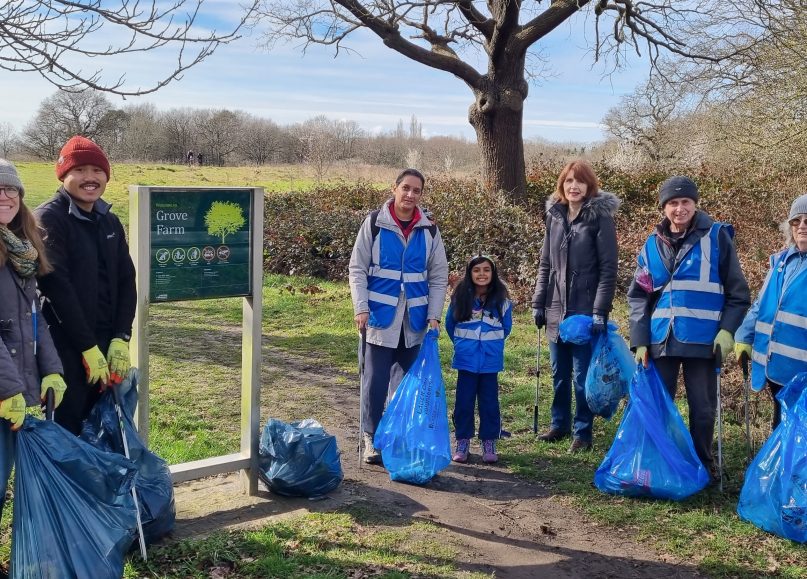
676 187
8 176
799 206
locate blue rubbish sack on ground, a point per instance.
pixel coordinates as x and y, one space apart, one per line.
413 433
774 494
299 459
652 454
153 483
576 329
609 373
74 515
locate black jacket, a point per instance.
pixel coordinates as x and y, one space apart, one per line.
75 245
735 290
577 273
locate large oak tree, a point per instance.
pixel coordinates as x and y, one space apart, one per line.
442 34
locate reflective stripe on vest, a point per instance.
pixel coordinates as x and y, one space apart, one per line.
483 329
691 300
780 333
397 268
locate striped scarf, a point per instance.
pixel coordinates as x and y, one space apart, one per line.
21 253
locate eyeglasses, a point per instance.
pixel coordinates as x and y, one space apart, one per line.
796 221
11 192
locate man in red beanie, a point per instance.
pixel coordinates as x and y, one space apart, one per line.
90 294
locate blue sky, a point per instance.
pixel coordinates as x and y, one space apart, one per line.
375 88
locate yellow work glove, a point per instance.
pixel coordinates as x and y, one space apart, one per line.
641 355
725 340
13 410
95 365
56 382
118 356
741 350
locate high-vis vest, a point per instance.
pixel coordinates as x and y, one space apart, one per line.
691 300
780 333
479 343
397 267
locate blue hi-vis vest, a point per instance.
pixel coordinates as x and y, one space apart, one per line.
780 333
479 343
691 300
397 267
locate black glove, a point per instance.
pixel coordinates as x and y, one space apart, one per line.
540 317
598 324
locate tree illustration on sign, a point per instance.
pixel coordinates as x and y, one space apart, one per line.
224 218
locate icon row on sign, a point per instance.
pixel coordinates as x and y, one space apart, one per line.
192 254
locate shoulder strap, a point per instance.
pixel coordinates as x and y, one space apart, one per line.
374 228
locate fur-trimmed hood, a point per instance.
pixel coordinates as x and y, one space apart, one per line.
604 204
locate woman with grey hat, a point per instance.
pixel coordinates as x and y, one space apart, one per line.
687 298
773 334
29 364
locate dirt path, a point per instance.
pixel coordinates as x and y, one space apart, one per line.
501 524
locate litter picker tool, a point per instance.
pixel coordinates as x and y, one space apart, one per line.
119 410
719 371
362 352
50 405
537 385
747 388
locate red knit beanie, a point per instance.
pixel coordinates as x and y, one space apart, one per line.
80 151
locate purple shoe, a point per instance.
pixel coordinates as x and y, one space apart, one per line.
489 451
461 454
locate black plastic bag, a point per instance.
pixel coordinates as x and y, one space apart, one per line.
74 515
153 483
299 459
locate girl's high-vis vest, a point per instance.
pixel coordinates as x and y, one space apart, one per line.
397 266
479 343
691 298
780 333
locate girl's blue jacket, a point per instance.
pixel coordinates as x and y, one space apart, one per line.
479 342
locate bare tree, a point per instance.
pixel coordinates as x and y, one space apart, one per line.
220 134
142 139
50 36
7 138
261 140
319 147
439 33
179 131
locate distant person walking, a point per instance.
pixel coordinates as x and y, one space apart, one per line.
189 158
478 321
576 275
90 294
200 158
773 335
29 363
398 278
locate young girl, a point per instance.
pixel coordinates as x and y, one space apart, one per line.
478 321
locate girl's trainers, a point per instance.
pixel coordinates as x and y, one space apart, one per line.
461 454
489 451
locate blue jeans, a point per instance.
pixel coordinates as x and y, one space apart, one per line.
570 366
7 450
473 389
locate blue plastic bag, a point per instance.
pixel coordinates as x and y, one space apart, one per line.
576 329
299 459
652 454
774 494
413 433
153 483
609 373
74 515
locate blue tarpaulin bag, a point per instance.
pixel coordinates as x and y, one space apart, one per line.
74 515
413 433
774 494
652 454
299 459
609 374
153 483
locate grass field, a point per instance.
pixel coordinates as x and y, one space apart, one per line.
194 377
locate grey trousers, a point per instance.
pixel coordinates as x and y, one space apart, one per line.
700 381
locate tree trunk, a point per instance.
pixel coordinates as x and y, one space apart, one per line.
496 116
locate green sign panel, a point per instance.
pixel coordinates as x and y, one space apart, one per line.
200 243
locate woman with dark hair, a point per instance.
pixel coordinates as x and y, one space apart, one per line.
576 275
398 277
478 321
29 364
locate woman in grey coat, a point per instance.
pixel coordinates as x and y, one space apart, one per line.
29 364
576 275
